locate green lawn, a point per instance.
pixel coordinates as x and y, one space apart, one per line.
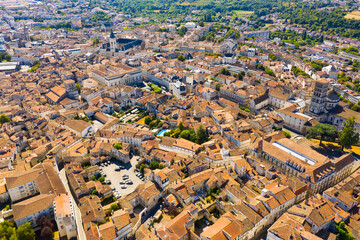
241 13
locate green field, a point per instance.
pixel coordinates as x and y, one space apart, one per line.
195 3
241 13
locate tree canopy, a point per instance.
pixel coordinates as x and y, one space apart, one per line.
46 227
342 232
148 119
24 232
114 207
4 119
181 126
78 87
154 165
118 146
286 133
5 57
322 130
225 71
201 135
181 58
349 136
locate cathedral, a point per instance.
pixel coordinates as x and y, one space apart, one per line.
120 46
326 107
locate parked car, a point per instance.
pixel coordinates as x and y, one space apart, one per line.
122 182
117 169
123 186
102 165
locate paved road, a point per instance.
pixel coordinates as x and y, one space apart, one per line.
116 177
79 225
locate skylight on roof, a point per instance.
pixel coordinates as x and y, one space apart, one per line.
293 153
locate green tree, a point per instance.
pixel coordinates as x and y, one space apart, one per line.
225 71
118 146
154 165
244 108
181 126
303 35
4 119
159 125
207 17
7 230
181 58
95 41
322 130
153 123
148 120
5 57
182 30
218 86
101 179
349 136
201 135
185 134
25 232
78 87
287 134
272 57
142 168
95 192
176 133
114 207
342 232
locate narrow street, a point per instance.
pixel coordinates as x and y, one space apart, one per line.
79 225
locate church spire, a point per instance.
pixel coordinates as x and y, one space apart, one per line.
112 35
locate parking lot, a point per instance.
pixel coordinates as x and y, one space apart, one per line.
116 176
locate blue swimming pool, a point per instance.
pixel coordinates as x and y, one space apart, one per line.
161 133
